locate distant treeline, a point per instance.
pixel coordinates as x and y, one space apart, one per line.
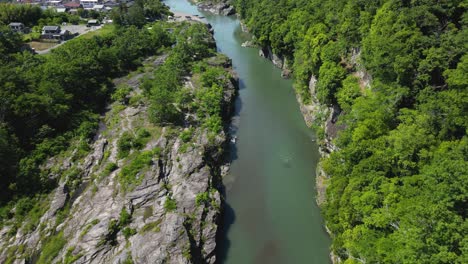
138 14
398 191
33 15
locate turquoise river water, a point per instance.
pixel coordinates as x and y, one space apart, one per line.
271 215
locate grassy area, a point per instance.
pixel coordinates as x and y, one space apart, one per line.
105 30
41 45
152 227
128 175
52 248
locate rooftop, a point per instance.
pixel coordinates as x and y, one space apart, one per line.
16 24
51 28
72 5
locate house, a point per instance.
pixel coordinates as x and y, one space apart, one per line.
99 8
54 2
72 7
18 27
89 4
55 32
93 23
111 4
51 30
61 9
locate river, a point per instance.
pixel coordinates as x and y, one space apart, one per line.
271 215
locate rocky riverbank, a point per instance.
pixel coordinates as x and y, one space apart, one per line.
323 118
319 116
277 60
224 8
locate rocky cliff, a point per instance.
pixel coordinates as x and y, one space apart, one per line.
154 202
222 7
277 60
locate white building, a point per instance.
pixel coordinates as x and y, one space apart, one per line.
54 3
89 4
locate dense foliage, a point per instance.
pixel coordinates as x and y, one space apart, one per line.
398 191
48 100
170 100
35 17
139 12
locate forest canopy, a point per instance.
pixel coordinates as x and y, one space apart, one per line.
398 187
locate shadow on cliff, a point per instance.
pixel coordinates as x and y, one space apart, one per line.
223 243
228 215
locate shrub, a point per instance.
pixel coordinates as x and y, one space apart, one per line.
127 176
142 138
121 94
170 204
110 167
214 124
186 135
202 198
125 217
124 145
128 232
112 229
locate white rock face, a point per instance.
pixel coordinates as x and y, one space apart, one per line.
221 8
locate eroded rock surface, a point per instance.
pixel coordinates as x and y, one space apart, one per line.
172 205
221 8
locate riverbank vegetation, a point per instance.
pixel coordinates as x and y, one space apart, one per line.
398 188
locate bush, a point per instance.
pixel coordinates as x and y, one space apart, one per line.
127 142
125 218
170 204
88 129
121 94
186 135
213 124
110 167
124 145
112 230
142 138
127 176
128 232
202 198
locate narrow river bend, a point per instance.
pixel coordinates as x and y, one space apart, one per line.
271 216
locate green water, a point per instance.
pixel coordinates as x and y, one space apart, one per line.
271 216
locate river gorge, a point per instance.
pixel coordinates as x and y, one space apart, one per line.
270 210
